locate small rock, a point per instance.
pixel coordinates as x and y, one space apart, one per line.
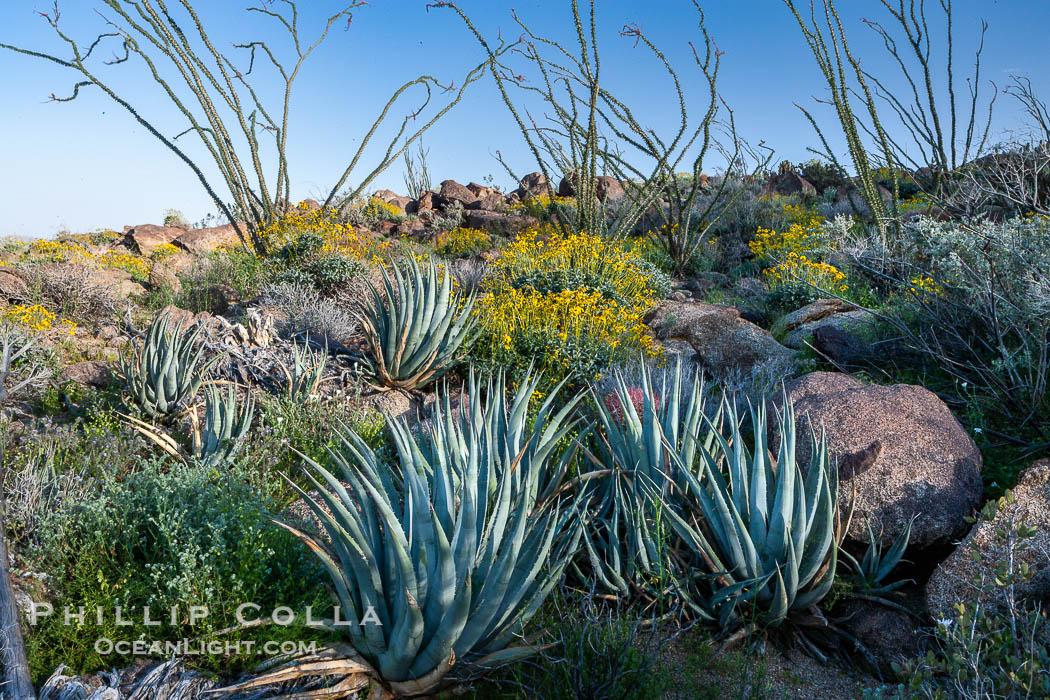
401 203
163 276
850 323
821 308
110 332
411 227
13 288
851 193
843 341
789 182
426 203
609 188
482 191
534 184
388 196
489 202
91 373
177 316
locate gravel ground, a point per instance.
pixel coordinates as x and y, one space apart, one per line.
696 674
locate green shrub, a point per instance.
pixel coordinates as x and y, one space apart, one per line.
237 269
167 537
599 650
332 271
996 648
822 174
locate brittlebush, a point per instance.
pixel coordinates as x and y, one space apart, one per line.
569 304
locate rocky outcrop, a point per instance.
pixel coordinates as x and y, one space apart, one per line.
986 549
609 188
451 191
499 222
147 238
843 338
853 323
788 182
13 287
810 313
117 282
205 240
900 453
534 184
724 342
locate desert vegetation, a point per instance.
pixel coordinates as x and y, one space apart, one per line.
671 418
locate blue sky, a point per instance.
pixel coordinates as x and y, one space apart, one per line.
87 164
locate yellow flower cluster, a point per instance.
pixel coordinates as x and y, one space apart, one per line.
775 245
572 318
339 237
163 252
548 251
36 318
71 251
139 268
462 241
571 304
58 251
376 208
539 205
798 269
926 285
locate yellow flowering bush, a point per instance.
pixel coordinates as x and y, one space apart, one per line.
550 261
37 318
539 206
803 236
573 333
58 251
378 210
570 303
462 242
925 285
72 251
797 275
163 252
335 237
139 268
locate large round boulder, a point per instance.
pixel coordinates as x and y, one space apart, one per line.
900 454
987 548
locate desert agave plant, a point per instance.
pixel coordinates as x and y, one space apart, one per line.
759 534
871 572
306 373
220 438
415 327
641 424
453 550
165 370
